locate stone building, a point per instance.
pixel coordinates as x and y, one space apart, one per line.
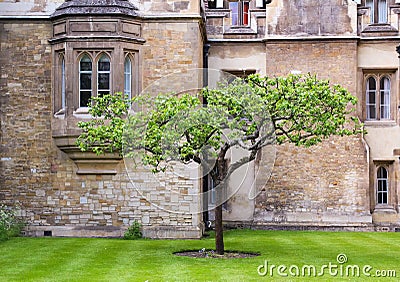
57 54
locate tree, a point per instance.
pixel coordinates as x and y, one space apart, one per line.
250 115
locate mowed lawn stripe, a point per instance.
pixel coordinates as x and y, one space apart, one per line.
92 259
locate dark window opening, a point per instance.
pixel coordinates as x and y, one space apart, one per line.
382 186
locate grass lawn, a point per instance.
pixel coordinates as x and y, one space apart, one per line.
91 259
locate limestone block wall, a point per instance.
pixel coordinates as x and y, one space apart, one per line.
38 8
238 56
311 17
171 46
36 175
169 6
326 184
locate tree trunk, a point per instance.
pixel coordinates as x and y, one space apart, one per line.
219 232
220 200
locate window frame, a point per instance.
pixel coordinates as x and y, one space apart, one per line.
243 13
70 90
95 57
63 77
376 12
80 72
385 191
389 165
379 76
104 72
130 75
60 98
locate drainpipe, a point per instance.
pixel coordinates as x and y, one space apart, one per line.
206 48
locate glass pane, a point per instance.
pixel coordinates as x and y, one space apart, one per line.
127 76
127 83
104 66
382 11
234 7
212 4
128 65
380 198
104 81
382 173
245 13
370 5
371 97
381 185
85 64
385 83
384 198
85 98
385 104
371 114
62 83
104 63
86 81
371 84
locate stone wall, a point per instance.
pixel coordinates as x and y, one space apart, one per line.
326 184
311 17
170 46
34 8
36 175
26 145
170 6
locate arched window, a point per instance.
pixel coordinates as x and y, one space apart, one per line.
371 98
128 77
103 75
382 188
62 82
385 97
378 97
85 80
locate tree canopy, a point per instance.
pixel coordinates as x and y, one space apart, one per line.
203 127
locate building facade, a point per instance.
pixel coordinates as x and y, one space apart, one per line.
56 54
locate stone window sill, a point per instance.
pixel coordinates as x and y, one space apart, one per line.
376 28
380 123
82 112
384 208
240 30
60 114
87 162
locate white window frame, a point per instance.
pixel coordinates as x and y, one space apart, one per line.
382 181
99 72
128 77
85 72
383 90
63 97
